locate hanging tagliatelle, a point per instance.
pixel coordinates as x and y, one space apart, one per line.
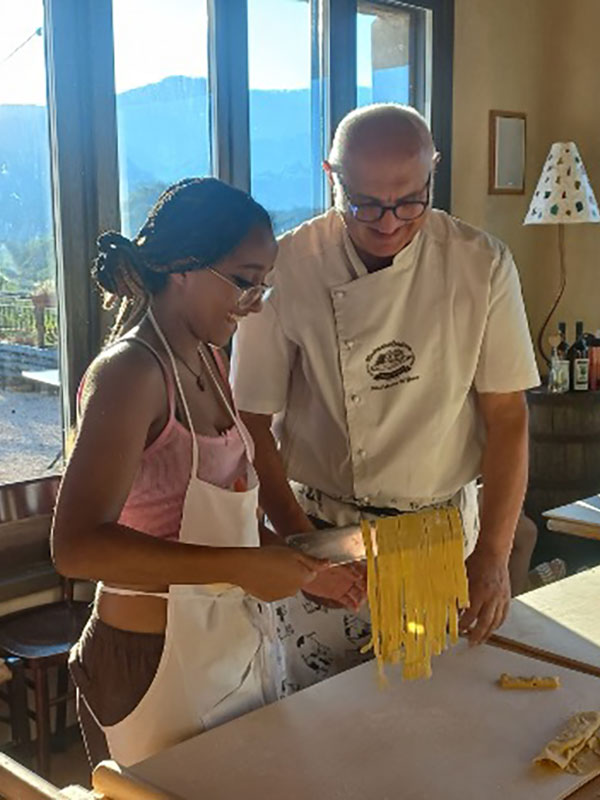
417 585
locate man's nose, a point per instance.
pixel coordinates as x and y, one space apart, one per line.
388 223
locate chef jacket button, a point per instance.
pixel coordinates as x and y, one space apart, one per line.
361 453
339 294
366 500
355 399
349 344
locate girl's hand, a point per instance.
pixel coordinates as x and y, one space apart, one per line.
272 573
340 587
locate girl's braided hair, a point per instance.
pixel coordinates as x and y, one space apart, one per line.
193 225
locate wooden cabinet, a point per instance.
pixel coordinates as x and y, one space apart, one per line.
564 463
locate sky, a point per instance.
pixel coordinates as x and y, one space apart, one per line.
152 43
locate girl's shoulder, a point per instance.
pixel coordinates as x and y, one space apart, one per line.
122 368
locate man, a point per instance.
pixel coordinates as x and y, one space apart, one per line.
393 353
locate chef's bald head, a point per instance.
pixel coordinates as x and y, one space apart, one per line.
382 130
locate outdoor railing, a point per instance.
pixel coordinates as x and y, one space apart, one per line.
25 321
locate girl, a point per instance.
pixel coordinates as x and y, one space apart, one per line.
159 499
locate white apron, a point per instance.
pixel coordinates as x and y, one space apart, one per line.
218 659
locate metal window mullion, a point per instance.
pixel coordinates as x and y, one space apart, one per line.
417 53
441 96
229 96
342 69
84 169
318 109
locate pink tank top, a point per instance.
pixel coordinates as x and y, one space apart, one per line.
155 502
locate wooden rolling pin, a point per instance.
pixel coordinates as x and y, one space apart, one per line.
112 782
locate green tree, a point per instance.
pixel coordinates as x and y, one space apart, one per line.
32 262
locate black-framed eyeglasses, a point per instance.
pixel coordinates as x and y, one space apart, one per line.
371 211
249 295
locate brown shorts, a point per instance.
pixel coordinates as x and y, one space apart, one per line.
112 670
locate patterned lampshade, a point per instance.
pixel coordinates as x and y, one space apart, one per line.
563 193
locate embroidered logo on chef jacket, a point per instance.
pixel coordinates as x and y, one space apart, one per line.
391 364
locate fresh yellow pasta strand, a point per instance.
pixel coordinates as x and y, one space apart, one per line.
373 586
416 585
461 582
387 548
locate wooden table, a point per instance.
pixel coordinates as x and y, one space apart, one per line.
455 736
581 518
559 623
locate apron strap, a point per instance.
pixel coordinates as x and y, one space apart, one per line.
102 587
186 409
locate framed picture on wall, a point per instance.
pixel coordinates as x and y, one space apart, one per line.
507 152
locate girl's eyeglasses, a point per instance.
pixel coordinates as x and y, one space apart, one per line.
248 295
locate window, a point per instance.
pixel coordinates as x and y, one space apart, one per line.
30 411
392 55
284 149
161 68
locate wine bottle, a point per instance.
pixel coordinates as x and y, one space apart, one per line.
580 362
594 354
561 365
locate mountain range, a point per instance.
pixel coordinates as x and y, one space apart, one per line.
163 136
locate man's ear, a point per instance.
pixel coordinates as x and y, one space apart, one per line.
328 171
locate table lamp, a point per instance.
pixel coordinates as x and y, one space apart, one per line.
563 196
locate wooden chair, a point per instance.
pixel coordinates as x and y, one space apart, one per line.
15 698
36 640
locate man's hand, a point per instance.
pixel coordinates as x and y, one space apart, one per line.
504 473
339 587
489 592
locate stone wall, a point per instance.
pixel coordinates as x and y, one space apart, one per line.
15 358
